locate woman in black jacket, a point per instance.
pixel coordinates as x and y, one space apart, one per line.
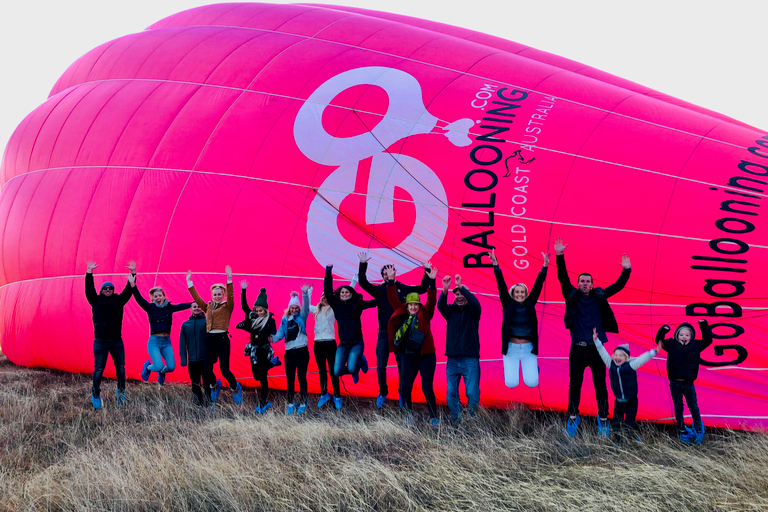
348 306
160 314
520 326
260 323
192 348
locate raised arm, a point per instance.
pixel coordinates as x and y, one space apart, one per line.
140 300
562 273
304 302
600 349
637 362
230 289
125 295
328 286
429 307
539 283
425 281
474 304
90 287
363 278
660 335
706 334
442 301
193 292
244 298
623 278
389 274
504 296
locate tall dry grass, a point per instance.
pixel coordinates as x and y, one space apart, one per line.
160 452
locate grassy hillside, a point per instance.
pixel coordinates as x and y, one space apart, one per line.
160 452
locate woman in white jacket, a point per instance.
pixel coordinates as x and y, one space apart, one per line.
325 347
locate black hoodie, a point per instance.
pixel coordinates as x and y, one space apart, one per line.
683 360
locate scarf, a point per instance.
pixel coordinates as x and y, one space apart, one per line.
403 331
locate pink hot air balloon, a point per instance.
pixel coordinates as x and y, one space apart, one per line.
280 138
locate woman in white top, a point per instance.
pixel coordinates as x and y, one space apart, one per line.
325 347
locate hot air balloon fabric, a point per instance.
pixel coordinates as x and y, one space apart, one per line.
281 138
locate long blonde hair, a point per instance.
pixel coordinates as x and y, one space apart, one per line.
322 308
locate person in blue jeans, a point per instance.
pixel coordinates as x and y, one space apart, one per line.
160 314
348 307
462 345
107 310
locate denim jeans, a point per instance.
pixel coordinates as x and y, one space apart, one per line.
685 388
520 355
455 369
349 358
160 346
102 348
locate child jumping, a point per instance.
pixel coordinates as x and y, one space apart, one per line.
683 359
623 373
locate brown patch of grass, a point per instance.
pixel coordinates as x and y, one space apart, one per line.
160 452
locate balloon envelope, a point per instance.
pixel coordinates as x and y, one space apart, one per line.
281 138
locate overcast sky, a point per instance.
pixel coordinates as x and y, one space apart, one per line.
708 53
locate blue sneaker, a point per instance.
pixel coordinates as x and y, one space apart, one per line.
238 397
266 407
698 437
434 422
687 436
572 426
337 402
96 401
215 391
120 397
161 378
400 401
356 377
323 400
302 408
145 371
290 408
275 361
603 429
364 367
380 401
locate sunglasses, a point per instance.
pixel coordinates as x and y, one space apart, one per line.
108 288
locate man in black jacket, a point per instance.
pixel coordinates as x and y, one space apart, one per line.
107 331
586 308
462 346
379 294
192 343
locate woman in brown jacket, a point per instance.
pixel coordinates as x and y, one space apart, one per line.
217 315
410 338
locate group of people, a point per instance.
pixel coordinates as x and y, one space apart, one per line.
404 324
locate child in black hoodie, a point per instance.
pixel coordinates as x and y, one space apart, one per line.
683 359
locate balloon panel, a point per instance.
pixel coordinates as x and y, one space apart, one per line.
281 138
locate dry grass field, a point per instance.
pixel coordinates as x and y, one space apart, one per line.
160 452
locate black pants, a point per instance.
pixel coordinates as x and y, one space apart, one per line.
579 359
259 370
217 347
296 361
680 389
196 369
102 348
624 413
424 365
382 360
325 357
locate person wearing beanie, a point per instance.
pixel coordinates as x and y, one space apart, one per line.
218 313
348 307
683 360
462 346
622 370
192 350
160 314
260 324
107 309
410 338
519 326
379 294
587 307
293 328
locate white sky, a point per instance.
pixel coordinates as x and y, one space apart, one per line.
708 53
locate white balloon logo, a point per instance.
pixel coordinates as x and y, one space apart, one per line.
406 115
